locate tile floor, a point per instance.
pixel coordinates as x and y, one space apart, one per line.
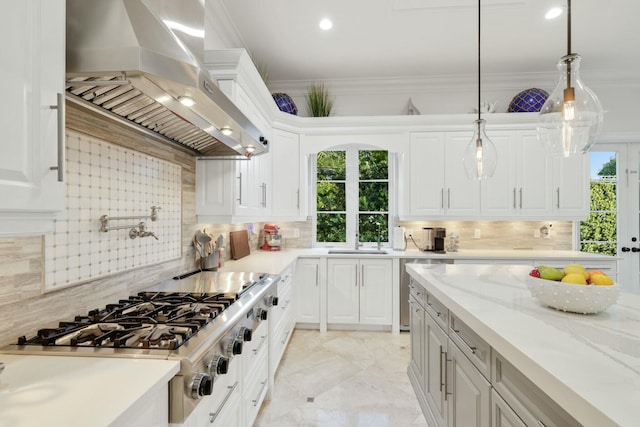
343 379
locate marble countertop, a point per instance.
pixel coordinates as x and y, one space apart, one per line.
75 391
276 261
588 364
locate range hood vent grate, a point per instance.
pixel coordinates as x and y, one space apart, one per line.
124 100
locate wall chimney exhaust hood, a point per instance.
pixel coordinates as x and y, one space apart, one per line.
141 61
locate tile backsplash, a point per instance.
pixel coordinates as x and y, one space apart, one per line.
107 179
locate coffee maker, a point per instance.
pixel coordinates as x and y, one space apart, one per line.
271 238
433 239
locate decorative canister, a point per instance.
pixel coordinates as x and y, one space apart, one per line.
285 103
528 101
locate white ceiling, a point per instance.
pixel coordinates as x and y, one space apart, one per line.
374 39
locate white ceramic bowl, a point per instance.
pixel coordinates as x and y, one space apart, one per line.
582 299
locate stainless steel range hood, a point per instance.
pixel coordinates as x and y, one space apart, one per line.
139 60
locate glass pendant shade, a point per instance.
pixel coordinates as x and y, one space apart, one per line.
571 118
480 156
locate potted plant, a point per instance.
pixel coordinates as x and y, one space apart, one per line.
318 101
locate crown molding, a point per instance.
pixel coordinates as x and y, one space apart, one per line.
454 83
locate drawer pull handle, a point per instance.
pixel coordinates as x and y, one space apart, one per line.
446 376
214 415
262 341
255 401
441 376
472 348
541 424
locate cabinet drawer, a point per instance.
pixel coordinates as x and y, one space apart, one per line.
501 414
255 389
252 350
285 296
474 347
531 405
437 310
417 292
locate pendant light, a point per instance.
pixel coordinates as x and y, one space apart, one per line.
571 118
480 156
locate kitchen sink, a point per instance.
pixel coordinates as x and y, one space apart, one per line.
357 252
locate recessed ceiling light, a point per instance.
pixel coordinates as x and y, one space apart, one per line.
226 130
554 12
326 24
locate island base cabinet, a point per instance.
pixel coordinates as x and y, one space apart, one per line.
467 392
435 372
501 414
529 403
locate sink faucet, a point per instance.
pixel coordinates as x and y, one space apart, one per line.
379 236
357 244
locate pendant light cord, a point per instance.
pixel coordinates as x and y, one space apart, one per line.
568 43
479 117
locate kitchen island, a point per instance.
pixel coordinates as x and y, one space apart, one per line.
84 391
587 365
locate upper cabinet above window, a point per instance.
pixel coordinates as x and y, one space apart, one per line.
32 67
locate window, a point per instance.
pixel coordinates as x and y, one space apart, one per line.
598 232
352 184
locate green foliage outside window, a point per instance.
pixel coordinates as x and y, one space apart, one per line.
373 196
598 233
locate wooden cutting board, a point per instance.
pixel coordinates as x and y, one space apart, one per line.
239 241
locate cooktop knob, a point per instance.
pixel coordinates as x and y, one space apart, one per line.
234 346
201 385
271 301
245 333
219 365
261 314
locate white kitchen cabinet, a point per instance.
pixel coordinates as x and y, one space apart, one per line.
571 187
233 190
255 376
32 116
521 184
530 404
438 183
453 390
281 321
434 372
359 291
467 392
287 165
501 414
307 290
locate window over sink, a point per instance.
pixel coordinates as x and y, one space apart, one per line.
352 196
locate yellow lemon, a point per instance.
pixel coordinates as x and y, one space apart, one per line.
576 278
601 280
576 269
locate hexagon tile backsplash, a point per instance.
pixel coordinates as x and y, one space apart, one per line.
107 179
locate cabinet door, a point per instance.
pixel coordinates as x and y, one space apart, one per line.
215 183
467 391
501 414
285 153
32 67
426 174
343 292
434 370
462 194
571 187
416 327
499 192
375 291
534 177
307 290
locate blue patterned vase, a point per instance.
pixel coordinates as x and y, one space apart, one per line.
285 103
528 101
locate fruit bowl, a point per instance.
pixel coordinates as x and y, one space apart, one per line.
583 299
